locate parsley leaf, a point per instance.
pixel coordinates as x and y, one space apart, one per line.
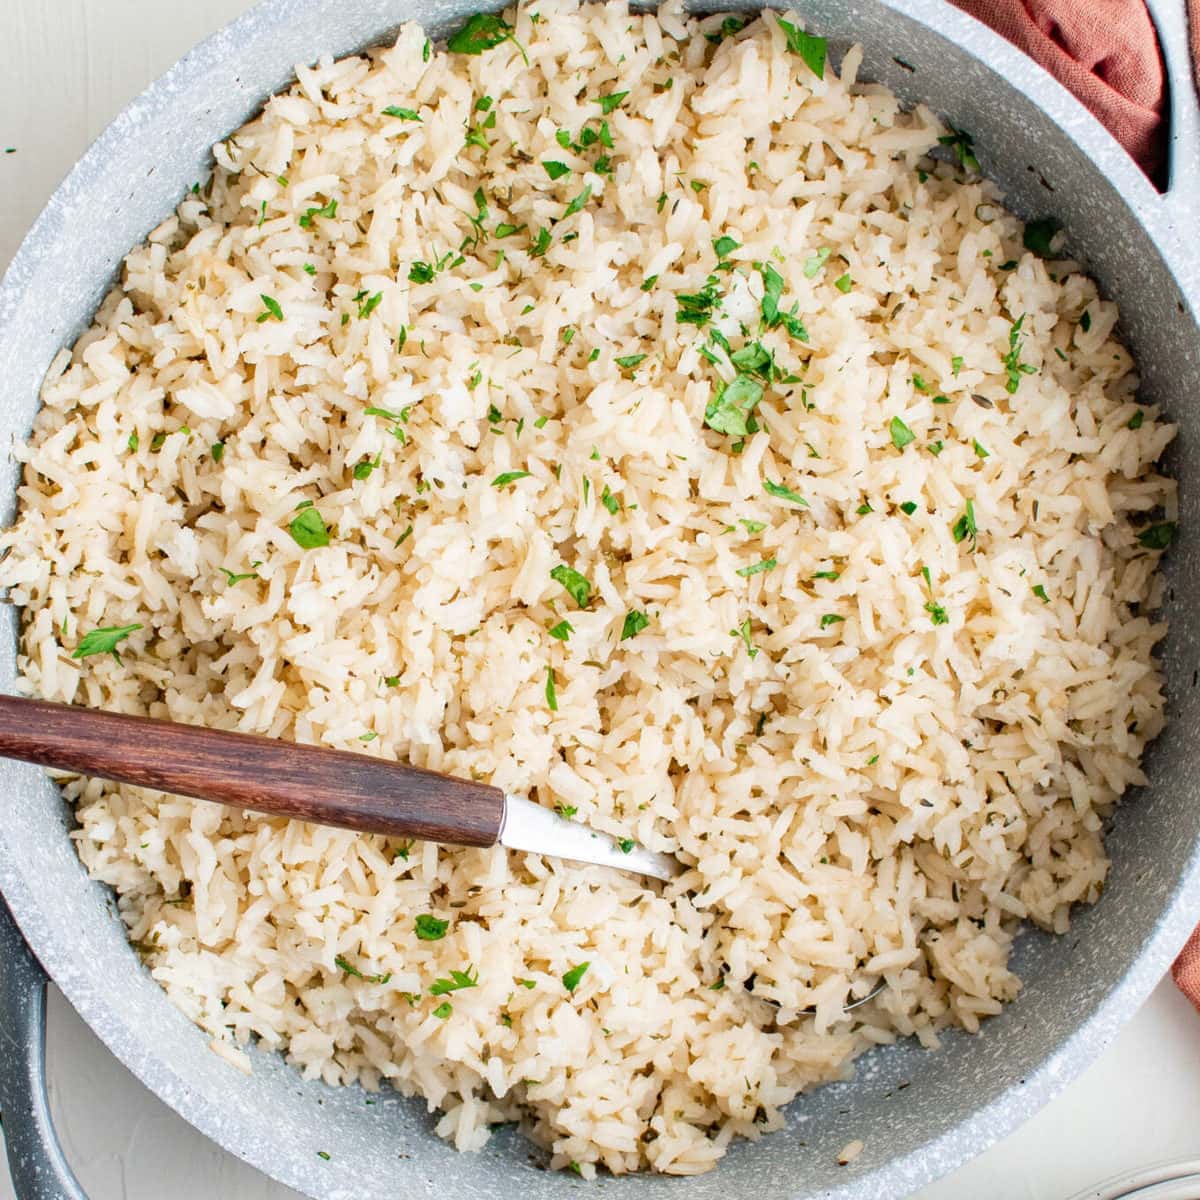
551 694
350 969
572 978
457 980
963 145
831 619
274 311
444 1010
309 530
901 434
1159 537
577 204
767 564
1040 592
725 246
815 262
403 114
965 526
231 578
611 102
743 632
326 210
635 622
507 477
556 170
484 31
104 641
937 614
578 586
430 928
629 361
729 411
1039 234
784 493
844 284
772 291
810 47
696 308
562 631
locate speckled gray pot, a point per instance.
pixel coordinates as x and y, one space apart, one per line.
1051 156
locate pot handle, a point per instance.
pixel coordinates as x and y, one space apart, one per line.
1183 181
36 1162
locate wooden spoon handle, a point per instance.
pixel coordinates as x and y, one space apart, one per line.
284 779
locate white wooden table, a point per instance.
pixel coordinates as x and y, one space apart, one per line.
66 67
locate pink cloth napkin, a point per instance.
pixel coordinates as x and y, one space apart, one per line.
1106 52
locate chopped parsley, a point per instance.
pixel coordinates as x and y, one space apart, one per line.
551 693
908 508
1040 592
577 204
724 246
611 102
326 210
937 614
484 31
367 304
1039 234
814 262
732 405
767 564
421 272
132 443
578 586
566 811
457 980
1135 422
562 631
1085 321
965 526
629 361
309 530
104 641
808 46
443 1010
541 243
831 619
1159 537
626 845
649 282
696 308
504 230
783 493
844 284
507 477
610 501
752 526
980 451
556 170
743 632
1012 360
430 928
635 622
956 364
231 578
274 311
901 434
402 114
350 969
572 978
963 146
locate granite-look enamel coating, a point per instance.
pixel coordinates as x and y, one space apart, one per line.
1051 156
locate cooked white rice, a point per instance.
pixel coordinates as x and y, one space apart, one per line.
880 780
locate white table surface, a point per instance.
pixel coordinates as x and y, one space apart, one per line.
66 68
